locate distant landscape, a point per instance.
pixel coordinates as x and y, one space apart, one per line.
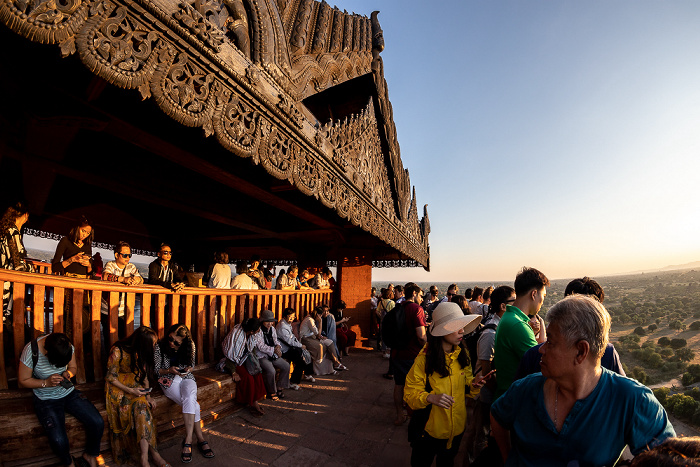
655 324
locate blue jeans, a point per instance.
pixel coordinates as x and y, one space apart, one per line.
52 415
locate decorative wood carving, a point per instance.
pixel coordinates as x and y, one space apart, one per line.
342 163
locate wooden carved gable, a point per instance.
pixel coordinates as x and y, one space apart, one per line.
225 66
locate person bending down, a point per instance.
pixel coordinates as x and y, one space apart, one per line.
173 363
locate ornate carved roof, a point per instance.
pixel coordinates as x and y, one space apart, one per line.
240 69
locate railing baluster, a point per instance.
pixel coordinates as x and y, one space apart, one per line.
3 374
174 309
231 314
221 319
38 310
160 315
188 312
96 314
200 328
113 317
18 317
78 334
211 312
58 322
130 303
146 310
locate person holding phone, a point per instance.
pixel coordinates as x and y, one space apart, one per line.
47 371
346 338
441 377
128 403
173 363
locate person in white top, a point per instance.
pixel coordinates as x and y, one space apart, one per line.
123 271
220 277
269 353
243 281
322 349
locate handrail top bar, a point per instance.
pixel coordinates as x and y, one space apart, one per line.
8 275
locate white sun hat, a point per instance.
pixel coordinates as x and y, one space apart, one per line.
448 318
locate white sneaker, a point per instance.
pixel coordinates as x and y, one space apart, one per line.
294 386
309 378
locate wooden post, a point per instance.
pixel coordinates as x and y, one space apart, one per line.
58 309
354 284
78 334
96 313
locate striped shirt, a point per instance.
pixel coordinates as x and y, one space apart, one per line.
43 370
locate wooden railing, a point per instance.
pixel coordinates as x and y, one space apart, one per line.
39 307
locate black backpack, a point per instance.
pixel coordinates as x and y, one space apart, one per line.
472 340
395 333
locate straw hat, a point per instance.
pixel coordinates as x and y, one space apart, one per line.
267 315
448 318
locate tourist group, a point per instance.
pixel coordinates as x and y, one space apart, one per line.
255 350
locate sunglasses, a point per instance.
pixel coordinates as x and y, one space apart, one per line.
167 252
125 255
174 342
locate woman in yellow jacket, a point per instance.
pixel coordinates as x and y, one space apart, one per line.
440 376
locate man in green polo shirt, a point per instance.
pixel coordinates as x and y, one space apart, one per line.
514 335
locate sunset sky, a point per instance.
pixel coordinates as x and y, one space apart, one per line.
560 135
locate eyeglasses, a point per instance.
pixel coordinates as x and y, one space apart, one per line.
125 255
167 252
174 342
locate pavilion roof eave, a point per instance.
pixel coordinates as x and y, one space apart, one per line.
247 104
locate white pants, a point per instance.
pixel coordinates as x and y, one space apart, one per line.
184 393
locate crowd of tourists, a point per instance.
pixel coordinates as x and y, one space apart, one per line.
483 370
258 352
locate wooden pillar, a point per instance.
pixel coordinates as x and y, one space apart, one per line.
354 287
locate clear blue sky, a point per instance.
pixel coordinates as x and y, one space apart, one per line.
560 135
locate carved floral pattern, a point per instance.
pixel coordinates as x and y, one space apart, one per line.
345 168
199 25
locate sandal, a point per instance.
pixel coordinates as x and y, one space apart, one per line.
280 394
272 397
341 367
208 453
186 457
335 373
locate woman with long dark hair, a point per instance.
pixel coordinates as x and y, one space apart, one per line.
13 255
174 360
441 378
128 401
74 252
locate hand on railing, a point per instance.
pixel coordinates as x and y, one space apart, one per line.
177 286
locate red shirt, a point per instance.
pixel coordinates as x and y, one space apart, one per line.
415 317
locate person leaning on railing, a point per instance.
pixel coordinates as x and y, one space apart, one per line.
73 258
173 362
128 401
55 395
120 270
13 255
74 252
164 272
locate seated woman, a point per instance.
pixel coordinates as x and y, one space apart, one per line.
238 346
576 412
173 363
128 403
292 349
269 351
47 370
12 252
674 452
346 337
322 349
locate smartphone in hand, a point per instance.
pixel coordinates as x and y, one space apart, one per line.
66 383
146 390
